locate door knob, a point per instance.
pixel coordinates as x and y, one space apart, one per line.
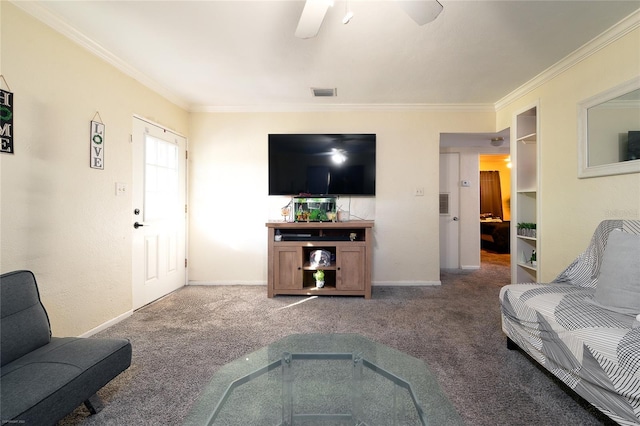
455 218
138 225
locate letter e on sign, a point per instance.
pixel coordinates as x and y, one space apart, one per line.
6 122
97 145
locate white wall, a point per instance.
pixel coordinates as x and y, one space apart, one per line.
571 207
229 204
60 218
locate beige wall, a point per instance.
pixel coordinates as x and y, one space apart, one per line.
229 203
59 218
571 207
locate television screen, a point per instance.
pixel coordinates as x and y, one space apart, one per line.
322 164
633 145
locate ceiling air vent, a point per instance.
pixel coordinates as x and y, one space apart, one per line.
319 92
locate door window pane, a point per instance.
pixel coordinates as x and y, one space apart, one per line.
161 179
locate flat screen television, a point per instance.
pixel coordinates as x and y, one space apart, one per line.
633 145
322 164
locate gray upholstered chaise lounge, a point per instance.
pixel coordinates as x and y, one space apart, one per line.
44 378
583 326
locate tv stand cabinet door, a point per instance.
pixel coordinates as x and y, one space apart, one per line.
350 262
288 268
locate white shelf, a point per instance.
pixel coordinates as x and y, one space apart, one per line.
525 205
529 139
528 266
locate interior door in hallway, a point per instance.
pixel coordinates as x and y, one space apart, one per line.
449 210
159 215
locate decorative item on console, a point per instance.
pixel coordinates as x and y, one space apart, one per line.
320 258
319 277
314 209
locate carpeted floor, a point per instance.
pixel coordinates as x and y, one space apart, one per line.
182 339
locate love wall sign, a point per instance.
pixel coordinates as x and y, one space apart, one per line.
97 145
6 122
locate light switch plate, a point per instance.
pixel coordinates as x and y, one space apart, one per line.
121 188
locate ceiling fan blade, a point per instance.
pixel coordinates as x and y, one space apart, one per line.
421 11
311 18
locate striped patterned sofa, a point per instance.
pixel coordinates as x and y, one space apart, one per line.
594 349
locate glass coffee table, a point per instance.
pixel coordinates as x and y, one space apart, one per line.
324 379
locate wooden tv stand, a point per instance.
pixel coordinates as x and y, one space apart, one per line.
289 268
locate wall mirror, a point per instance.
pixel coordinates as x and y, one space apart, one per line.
609 132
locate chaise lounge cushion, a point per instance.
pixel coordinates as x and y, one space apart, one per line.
54 379
619 279
594 351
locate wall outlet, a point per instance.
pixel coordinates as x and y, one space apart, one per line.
419 191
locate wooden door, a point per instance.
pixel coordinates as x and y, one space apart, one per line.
350 262
288 268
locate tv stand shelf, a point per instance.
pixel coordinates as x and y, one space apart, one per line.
289 268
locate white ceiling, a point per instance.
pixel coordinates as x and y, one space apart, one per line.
242 55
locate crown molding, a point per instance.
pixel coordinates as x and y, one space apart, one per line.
53 21
349 108
619 30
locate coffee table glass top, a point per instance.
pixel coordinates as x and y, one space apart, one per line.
324 379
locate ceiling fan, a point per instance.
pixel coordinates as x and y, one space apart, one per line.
421 11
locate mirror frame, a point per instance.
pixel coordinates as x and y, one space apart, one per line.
623 167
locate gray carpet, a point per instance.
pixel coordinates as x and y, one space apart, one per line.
181 340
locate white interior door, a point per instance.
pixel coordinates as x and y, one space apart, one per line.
449 210
159 217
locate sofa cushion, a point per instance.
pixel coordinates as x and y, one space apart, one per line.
619 278
24 325
594 351
54 379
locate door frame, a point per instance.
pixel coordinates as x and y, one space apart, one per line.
186 198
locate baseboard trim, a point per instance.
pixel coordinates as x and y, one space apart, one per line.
405 283
470 267
227 283
107 324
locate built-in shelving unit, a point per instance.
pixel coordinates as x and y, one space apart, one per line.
290 270
525 206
